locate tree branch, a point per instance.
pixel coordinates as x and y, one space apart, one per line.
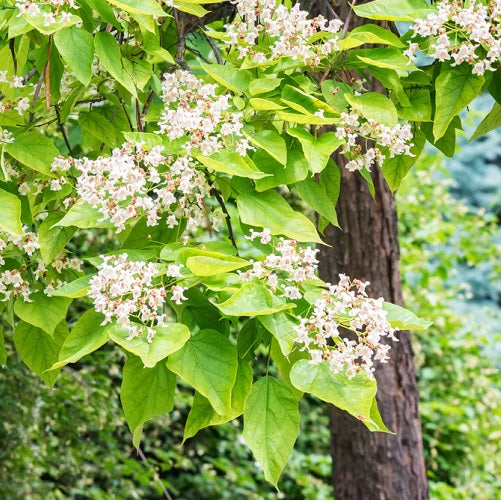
227 217
62 129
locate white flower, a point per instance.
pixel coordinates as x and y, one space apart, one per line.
346 304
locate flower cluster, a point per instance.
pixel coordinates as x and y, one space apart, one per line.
12 284
354 129
347 306
463 33
15 81
6 137
20 104
194 110
50 15
133 182
125 291
290 32
27 243
287 268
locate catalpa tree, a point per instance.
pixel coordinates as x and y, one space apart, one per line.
170 172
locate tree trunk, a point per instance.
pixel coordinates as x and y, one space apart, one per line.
369 465
372 465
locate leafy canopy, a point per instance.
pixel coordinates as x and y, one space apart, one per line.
152 163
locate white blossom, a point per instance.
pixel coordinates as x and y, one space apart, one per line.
346 329
464 33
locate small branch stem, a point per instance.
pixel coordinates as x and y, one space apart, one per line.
227 217
214 48
348 21
62 129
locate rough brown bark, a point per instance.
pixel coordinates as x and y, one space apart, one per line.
374 465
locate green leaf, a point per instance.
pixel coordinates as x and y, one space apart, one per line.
334 94
394 10
34 150
231 163
455 89
168 339
303 102
264 85
352 395
209 363
190 8
270 210
374 106
281 325
252 299
139 7
38 350
271 425
295 170
10 208
370 33
145 393
203 415
285 363
391 80
419 109
105 11
237 80
75 289
76 46
387 57
87 336
317 151
99 128
265 104
395 169
108 51
84 216
490 122
322 196
447 143
148 139
39 23
305 119
271 142
53 239
377 423
203 265
44 312
403 319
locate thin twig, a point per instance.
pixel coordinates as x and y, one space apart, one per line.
227 217
39 84
91 101
214 47
131 126
179 17
13 53
62 129
162 486
326 73
146 105
346 26
47 75
332 11
138 117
